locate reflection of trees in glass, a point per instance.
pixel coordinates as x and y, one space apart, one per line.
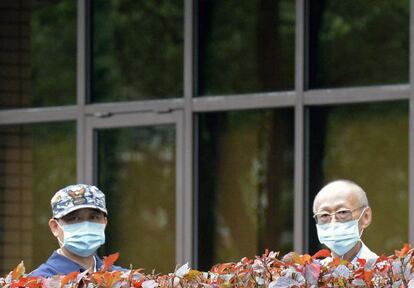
245 185
358 42
137 173
245 46
53 52
369 145
137 50
53 167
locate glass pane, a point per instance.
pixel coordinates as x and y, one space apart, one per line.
35 161
358 42
137 173
137 50
37 53
245 46
368 144
245 183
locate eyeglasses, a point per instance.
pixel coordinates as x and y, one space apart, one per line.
342 215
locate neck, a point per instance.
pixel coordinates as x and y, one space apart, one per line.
85 262
350 255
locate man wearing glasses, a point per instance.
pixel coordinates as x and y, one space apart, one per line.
78 223
341 212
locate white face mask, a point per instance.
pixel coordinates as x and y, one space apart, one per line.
340 237
83 238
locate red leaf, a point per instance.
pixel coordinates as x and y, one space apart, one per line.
305 259
71 276
98 277
18 271
401 253
223 268
368 276
381 259
109 261
29 282
138 284
335 262
362 261
111 278
359 274
323 253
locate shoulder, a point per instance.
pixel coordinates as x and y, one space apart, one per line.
366 253
44 270
56 264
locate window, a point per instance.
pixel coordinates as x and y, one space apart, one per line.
367 143
245 183
35 161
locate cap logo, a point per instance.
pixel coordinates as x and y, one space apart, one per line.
78 196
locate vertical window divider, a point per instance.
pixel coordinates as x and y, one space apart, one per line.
411 128
81 86
299 179
187 245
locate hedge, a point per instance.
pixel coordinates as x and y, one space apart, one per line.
268 270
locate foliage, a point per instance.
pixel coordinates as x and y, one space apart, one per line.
52 52
137 50
267 270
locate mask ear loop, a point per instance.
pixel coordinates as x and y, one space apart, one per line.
359 218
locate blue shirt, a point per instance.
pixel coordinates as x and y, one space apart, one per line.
58 264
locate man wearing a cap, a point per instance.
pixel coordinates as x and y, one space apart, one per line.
78 223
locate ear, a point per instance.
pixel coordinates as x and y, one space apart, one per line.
54 227
365 218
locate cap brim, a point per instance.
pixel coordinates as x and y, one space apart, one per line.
77 207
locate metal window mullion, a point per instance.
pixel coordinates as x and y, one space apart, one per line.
90 147
131 120
357 94
180 199
36 115
411 170
411 130
299 179
81 84
187 245
158 105
244 101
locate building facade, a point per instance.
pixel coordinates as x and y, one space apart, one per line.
210 125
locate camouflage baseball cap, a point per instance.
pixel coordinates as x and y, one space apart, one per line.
75 197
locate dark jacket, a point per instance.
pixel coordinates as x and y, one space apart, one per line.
58 264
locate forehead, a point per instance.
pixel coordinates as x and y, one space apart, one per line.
336 197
